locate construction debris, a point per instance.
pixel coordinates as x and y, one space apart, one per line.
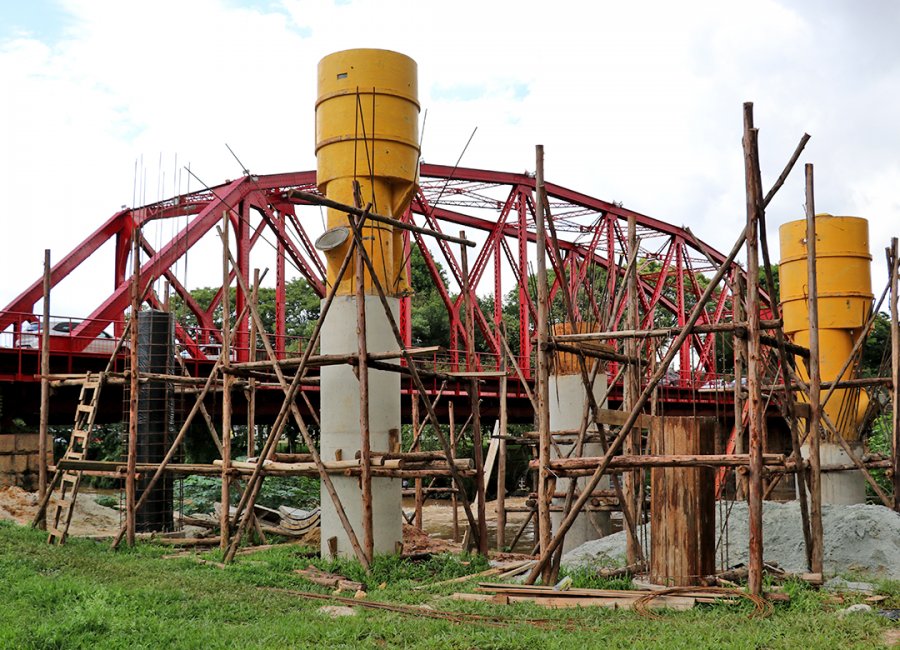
331 580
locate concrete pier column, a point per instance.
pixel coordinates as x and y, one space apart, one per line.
840 488
340 425
567 402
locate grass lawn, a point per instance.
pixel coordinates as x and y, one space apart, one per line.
83 595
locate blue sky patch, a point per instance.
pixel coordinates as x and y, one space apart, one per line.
43 19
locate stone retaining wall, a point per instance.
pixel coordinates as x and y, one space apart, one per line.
19 459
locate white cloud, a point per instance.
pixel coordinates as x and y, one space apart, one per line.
636 102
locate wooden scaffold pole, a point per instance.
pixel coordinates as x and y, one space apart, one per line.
454 499
895 369
227 381
363 376
45 392
546 485
416 446
501 451
131 458
251 383
633 479
815 379
754 366
474 399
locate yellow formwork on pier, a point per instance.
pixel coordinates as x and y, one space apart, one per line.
367 131
843 273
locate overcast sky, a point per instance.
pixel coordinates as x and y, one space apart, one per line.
638 102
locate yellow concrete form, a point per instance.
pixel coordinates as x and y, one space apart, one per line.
367 130
843 268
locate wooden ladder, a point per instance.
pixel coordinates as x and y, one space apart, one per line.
85 414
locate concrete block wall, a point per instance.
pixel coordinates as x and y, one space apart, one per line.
19 456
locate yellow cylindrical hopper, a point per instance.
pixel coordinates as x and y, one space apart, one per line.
367 131
843 272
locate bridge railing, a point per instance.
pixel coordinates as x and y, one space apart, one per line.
21 344
25 333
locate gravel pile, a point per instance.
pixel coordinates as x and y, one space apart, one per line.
857 538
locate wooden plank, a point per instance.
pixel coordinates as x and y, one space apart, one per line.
618 418
474 374
678 603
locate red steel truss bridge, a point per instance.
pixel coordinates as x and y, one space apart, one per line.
496 209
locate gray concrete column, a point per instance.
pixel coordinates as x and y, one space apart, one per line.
340 425
567 403
840 488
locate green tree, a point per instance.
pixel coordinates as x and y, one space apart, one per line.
301 307
878 342
429 319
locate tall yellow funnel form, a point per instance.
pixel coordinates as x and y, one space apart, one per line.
367 131
845 299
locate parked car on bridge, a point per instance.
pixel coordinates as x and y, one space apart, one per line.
104 343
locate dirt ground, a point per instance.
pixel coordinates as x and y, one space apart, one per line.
89 518
438 520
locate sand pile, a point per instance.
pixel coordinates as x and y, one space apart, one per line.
857 538
89 518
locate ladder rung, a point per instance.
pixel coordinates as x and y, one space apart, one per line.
53 531
85 408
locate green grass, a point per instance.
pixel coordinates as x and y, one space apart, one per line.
83 595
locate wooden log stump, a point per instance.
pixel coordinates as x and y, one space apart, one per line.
682 506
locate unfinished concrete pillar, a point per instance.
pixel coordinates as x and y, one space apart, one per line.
568 399
340 425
